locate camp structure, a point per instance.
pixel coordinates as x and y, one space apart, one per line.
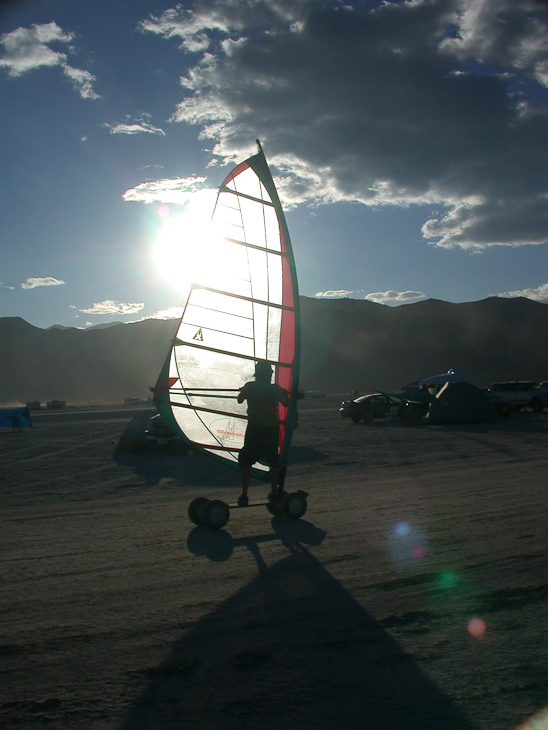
451 376
460 403
15 418
133 435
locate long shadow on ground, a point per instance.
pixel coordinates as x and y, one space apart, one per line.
194 469
292 649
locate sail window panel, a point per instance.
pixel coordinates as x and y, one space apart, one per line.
275 278
219 321
273 333
227 217
260 316
254 222
258 274
248 183
266 276
205 369
202 337
221 303
272 229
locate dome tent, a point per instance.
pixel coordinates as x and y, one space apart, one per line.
460 403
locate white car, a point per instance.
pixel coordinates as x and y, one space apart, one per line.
521 394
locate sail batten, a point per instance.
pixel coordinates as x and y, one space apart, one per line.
251 314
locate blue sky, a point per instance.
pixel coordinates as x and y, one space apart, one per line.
408 141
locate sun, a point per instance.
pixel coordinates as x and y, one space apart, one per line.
188 250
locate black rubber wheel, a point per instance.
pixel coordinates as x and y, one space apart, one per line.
216 514
196 510
356 419
294 506
368 416
537 405
277 508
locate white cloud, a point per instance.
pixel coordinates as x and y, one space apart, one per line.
174 312
187 191
137 125
394 297
26 49
395 104
333 294
33 282
6 286
540 294
109 306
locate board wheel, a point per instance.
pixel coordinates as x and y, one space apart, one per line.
294 505
196 510
276 508
216 514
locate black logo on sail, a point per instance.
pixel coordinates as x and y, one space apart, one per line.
199 335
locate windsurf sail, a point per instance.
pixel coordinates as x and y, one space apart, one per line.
244 311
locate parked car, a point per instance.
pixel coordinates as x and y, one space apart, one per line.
159 434
382 405
521 394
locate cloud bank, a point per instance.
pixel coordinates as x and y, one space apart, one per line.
27 49
109 306
430 102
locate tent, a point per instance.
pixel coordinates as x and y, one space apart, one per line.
133 435
15 418
451 376
461 403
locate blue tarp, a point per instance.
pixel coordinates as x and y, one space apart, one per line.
15 418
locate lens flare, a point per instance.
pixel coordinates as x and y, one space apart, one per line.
407 546
448 579
539 721
476 627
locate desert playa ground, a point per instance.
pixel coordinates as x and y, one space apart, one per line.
413 594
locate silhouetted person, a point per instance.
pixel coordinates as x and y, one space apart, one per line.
262 435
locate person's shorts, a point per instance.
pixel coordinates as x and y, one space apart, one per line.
260 444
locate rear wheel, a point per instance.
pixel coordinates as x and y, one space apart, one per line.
294 505
537 405
196 510
277 508
216 514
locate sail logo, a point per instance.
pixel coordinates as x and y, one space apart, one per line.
227 430
199 335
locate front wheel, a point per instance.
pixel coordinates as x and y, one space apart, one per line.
295 505
368 416
196 510
537 405
216 514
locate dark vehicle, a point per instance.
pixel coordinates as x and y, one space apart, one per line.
159 434
382 405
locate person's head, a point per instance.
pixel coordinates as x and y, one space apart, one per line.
263 372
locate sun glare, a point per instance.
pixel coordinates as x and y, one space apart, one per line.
188 251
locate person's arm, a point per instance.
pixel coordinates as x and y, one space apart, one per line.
284 397
241 395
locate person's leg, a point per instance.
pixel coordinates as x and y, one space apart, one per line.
246 478
274 476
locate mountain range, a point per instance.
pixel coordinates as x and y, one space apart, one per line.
346 344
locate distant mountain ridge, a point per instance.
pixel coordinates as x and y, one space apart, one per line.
346 344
